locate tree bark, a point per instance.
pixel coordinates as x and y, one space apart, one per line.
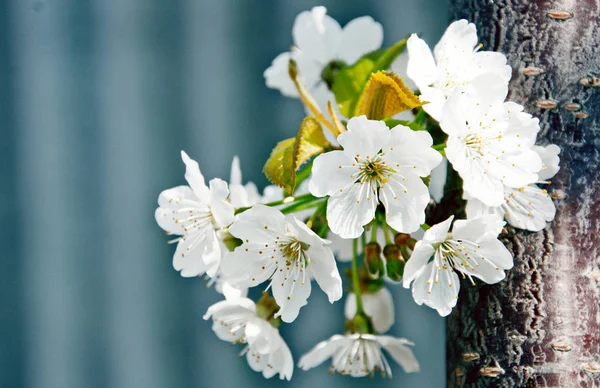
540 326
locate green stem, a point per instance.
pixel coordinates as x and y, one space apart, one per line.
301 205
286 200
316 214
374 230
324 229
388 240
425 226
355 278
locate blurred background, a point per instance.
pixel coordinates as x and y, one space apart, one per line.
97 98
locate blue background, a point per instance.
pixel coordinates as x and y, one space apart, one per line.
96 100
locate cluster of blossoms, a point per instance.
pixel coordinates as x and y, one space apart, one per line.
363 196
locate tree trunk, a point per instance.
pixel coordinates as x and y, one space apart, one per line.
540 326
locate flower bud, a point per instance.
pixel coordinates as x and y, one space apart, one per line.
405 239
373 262
394 262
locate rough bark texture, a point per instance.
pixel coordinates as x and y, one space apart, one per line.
540 327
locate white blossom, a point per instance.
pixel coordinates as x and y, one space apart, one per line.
318 42
528 207
235 321
377 164
241 195
490 146
284 251
456 65
197 213
361 355
378 306
472 249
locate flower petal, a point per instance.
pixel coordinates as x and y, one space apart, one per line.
478 229
195 178
322 351
460 36
443 294
260 224
221 209
490 261
400 352
379 306
290 293
317 35
198 253
324 269
408 148
331 172
529 208
405 199
421 65
249 265
364 137
550 160
348 211
417 262
277 76
178 204
360 36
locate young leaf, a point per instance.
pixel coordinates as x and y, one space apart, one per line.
350 81
385 95
288 155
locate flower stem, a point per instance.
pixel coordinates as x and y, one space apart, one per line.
374 230
286 200
301 205
355 278
388 240
320 209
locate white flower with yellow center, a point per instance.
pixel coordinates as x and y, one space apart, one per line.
472 249
361 355
235 321
197 214
377 164
490 146
456 64
285 251
528 207
320 47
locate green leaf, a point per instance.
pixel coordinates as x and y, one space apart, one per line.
385 95
350 81
288 155
391 123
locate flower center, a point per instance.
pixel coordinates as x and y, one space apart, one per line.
330 70
294 251
374 171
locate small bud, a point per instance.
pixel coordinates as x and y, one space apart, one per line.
394 262
401 238
405 239
373 261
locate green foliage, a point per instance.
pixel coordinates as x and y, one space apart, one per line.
288 155
350 81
